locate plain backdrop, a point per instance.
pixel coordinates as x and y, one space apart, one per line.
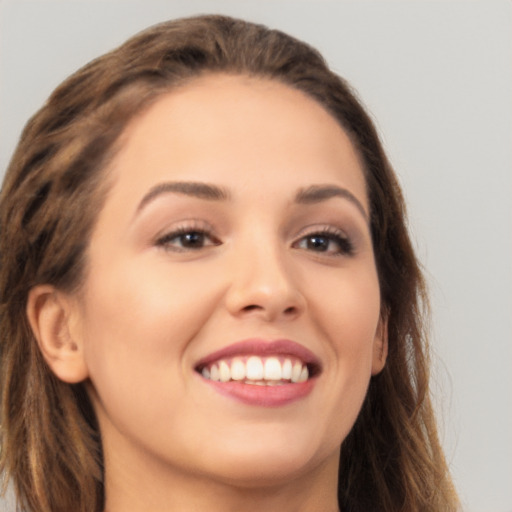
437 78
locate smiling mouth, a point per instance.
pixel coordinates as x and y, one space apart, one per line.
256 362
259 371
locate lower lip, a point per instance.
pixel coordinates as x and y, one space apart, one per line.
263 396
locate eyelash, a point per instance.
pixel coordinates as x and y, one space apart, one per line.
205 233
345 247
325 237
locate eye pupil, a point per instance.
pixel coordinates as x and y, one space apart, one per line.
192 239
318 243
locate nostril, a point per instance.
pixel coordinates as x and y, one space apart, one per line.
252 307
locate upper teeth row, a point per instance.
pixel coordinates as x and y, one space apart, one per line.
256 368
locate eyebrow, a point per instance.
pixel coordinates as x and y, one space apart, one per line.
318 193
187 188
310 195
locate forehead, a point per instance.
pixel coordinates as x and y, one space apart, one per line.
220 126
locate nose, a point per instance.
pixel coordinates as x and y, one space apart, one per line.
263 285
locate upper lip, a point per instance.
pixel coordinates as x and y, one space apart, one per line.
263 348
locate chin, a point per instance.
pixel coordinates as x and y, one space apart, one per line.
269 473
256 464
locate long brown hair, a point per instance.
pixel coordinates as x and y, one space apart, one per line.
52 193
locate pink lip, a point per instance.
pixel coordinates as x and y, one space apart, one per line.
264 396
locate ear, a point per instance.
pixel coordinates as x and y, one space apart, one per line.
50 314
380 345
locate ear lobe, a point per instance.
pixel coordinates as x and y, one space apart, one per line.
49 316
380 345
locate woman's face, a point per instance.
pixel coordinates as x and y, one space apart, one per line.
230 317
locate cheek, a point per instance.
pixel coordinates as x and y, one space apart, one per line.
141 304
139 321
348 311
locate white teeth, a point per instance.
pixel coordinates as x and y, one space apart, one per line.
237 369
296 371
272 369
304 374
224 371
214 372
287 370
266 371
254 368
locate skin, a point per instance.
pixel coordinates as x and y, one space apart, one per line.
151 308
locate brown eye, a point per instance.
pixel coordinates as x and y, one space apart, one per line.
318 243
187 240
326 242
192 240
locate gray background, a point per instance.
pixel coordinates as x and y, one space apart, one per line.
437 77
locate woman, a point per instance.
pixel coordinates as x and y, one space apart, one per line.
207 283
